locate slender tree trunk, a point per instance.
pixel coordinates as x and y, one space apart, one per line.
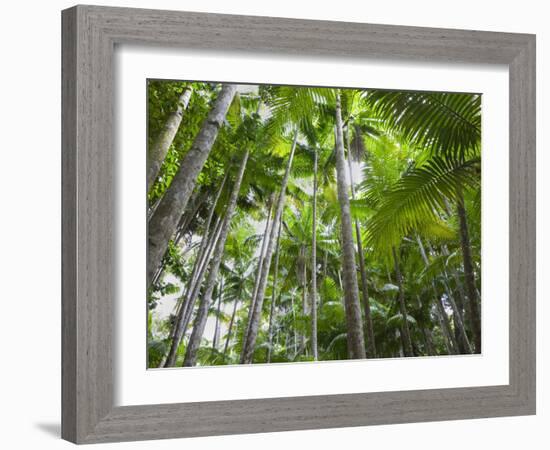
294 336
202 314
231 322
164 220
250 342
204 242
191 294
261 258
408 349
463 341
185 219
217 330
473 310
461 298
197 282
314 349
456 312
429 342
355 337
274 293
371 345
197 274
303 346
158 150
457 303
450 340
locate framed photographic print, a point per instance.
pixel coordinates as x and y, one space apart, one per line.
265 229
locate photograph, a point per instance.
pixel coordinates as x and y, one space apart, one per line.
300 224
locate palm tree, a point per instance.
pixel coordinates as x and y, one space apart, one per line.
355 338
314 348
287 255
250 342
406 334
163 222
197 276
200 321
449 126
157 151
274 293
371 345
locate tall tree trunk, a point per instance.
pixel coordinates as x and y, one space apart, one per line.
204 241
158 150
191 294
457 303
408 349
371 345
217 330
198 280
190 212
197 273
202 314
250 342
231 322
314 349
462 340
303 345
355 337
261 259
471 291
429 342
274 293
446 330
163 222
294 336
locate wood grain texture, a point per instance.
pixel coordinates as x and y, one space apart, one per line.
88 197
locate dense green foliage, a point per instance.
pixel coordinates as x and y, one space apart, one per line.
413 162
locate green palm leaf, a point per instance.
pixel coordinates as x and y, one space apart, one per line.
447 124
418 198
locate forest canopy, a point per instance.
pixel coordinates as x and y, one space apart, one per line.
292 223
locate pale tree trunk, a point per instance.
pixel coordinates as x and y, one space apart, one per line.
457 303
197 275
294 335
195 202
217 330
231 322
197 284
450 340
250 342
429 342
191 294
355 337
314 349
164 221
202 314
456 312
371 345
303 346
205 245
408 349
261 258
464 342
471 291
158 150
274 293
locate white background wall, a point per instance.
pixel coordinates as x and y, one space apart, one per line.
30 227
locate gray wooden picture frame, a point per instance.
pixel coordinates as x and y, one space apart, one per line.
90 34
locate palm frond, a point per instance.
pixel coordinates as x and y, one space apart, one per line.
419 197
445 123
